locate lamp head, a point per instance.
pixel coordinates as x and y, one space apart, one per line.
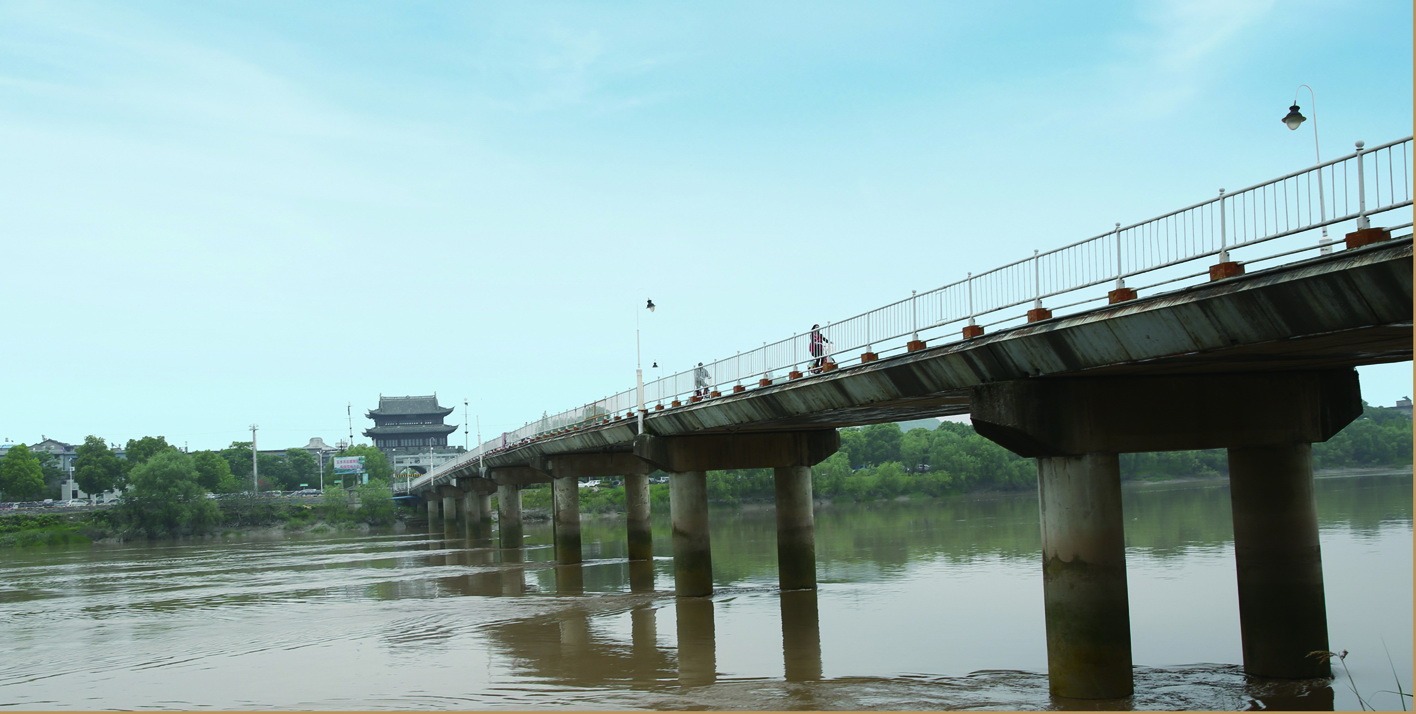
1294 118
650 306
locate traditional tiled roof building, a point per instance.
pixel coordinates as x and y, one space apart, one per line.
409 423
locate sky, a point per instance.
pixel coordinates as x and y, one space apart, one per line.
228 213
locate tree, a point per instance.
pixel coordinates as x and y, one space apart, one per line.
52 471
138 451
275 472
376 503
213 473
165 498
96 468
238 457
304 469
21 478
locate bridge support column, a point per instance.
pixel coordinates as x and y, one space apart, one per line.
484 511
434 508
471 508
1084 576
637 522
796 528
1076 426
689 458
693 558
451 495
509 514
1282 607
565 500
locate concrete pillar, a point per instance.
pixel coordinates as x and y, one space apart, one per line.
1282 609
801 635
471 507
565 500
451 496
1084 577
484 511
509 514
697 650
796 530
688 508
636 501
434 508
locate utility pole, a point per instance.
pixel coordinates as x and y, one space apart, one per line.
466 428
255 466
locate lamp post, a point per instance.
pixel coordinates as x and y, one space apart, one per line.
639 367
1292 120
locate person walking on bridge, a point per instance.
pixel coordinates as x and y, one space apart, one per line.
817 346
700 381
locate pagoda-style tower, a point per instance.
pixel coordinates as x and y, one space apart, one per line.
409 424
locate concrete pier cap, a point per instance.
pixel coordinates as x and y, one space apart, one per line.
1082 415
738 450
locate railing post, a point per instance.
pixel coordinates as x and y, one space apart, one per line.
914 310
1225 268
972 329
1037 284
1038 312
1121 293
1223 232
1362 222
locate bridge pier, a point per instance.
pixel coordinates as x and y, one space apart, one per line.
1282 607
687 459
693 556
796 528
637 521
509 514
634 471
451 495
434 503
1075 427
565 500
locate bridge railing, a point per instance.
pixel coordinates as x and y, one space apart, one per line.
1265 222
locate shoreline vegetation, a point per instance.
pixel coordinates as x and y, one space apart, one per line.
167 495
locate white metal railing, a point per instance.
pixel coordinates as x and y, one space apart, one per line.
1282 213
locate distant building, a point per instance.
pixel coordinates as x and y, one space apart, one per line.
411 433
1403 405
64 454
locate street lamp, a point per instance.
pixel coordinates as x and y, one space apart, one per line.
639 366
1293 120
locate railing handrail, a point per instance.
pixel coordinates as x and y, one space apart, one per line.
1192 217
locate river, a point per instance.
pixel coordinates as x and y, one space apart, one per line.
933 605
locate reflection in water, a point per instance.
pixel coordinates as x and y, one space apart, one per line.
801 636
697 650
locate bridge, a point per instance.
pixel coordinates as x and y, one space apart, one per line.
1232 323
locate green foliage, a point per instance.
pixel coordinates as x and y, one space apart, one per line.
334 507
376 503
164 497
96 468
138 451
214 473
304 468
52 471
238 457
21 478
1380 437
